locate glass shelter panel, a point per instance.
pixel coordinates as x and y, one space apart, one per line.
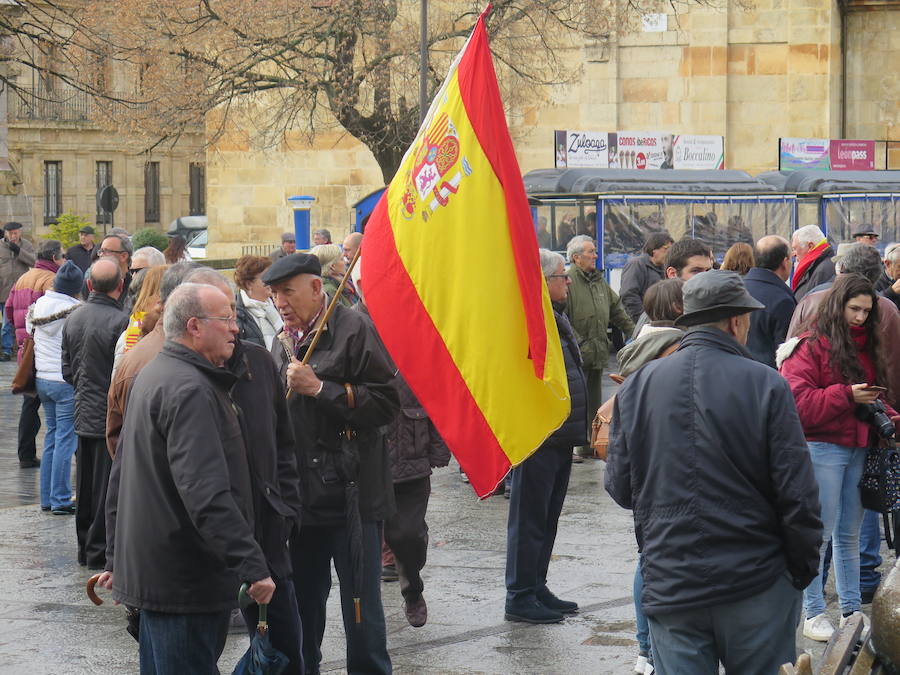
841 214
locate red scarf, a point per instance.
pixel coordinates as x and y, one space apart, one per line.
808 260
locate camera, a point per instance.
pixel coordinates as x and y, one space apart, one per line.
875 415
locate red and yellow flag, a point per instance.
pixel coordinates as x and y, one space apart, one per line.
453 282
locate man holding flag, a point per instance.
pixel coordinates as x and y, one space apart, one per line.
487 366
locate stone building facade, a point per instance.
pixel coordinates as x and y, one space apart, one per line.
805 68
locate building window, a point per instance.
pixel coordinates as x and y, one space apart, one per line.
52 191
151 192
198 189
104 178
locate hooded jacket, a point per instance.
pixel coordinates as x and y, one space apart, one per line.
184 536
718 476
590 308
88 348
649 344
824 400
45 321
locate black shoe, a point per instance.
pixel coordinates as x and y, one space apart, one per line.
868 595
531 611
389 573
29 464
4 356
45 508
64 510
550 601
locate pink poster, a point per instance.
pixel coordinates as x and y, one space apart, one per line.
852 155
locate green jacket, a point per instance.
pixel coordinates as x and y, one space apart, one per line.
591 307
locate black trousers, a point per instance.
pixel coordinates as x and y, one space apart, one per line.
29 426
312 550
539 486
92 474
284 624
406 533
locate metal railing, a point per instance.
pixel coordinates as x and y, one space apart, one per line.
26 104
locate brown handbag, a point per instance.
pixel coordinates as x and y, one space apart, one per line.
600 428
24 380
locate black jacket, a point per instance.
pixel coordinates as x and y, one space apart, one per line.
248 329
707 449
348 353
574 431
78 255
88 347
819 272
184 539
259 394
414 445
769 326
639 275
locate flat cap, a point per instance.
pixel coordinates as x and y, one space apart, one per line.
12 226
713 296
87 229
864 229
288 236
290 266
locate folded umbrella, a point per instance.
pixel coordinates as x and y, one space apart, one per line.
262 658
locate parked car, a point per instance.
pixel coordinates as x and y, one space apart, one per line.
188 226
196 247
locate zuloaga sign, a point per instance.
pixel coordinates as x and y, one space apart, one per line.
637 150
825 154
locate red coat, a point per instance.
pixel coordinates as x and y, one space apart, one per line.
824 401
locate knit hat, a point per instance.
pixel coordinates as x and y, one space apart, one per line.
69 279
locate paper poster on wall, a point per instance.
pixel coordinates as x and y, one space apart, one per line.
852 155
803 153
699 152
582 149
645 150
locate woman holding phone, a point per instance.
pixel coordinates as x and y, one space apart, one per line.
834 368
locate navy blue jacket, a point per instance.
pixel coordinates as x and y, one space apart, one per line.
707 449
769 326
574 431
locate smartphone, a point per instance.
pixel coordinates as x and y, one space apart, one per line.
875 388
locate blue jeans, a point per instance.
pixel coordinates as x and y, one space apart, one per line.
7 334
60 442
838 470
870 551
754 636
176 644
643 627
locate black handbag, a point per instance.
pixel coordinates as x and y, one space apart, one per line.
880 483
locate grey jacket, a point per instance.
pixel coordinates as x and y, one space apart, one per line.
639 275
13 265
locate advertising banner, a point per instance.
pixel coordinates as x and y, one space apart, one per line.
803 153
852 155
637 150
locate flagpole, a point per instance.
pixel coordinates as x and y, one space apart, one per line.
423 60
328 313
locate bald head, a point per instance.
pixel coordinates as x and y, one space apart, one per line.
774 254
105 277
351 245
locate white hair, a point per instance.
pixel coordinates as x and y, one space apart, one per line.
152 255
182 305
576 245
550 261
808 234
892 253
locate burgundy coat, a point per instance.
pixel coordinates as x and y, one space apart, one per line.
824 400
25 292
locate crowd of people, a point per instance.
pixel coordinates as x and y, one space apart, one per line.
214 445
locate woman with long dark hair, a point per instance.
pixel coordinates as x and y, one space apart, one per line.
176 251
834 368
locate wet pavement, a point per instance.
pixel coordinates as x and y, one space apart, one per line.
47 625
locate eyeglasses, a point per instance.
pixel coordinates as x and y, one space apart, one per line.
135 270
226 319
558 276
109 251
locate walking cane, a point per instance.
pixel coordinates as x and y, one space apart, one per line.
327 314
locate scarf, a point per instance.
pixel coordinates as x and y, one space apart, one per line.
808 260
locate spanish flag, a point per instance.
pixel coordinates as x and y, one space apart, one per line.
452 280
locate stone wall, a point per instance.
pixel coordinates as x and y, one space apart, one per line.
750 74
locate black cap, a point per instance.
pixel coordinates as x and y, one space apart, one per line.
12 226
87 229
713 296
290 266
864 229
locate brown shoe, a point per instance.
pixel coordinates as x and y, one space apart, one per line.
416 612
